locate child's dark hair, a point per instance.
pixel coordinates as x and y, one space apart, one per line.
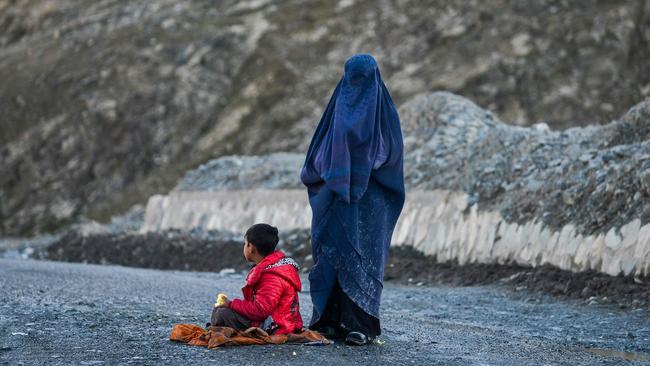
264 238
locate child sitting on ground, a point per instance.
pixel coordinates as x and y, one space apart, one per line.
271 288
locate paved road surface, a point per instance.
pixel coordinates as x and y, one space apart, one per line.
60 313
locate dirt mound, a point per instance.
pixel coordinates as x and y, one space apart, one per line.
216 251
411 267
594 178
212 251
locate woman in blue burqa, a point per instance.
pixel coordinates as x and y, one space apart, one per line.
355 181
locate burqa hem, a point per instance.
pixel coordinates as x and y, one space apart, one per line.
343 313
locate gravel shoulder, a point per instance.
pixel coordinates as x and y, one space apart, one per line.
65 313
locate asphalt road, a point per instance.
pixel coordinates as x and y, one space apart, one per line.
62 313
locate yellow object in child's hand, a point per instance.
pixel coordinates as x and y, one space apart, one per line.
221 299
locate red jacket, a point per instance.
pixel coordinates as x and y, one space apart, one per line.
272 289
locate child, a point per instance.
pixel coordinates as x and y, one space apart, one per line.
271 289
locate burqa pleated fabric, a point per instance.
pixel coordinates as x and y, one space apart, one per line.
355 181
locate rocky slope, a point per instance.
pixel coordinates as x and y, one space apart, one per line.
107 102
479 190
596 178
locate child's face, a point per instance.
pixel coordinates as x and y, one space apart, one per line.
248 250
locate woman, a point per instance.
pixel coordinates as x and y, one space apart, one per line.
355 182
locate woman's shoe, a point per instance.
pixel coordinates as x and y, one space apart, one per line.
356 339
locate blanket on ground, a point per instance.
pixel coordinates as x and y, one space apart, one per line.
214 337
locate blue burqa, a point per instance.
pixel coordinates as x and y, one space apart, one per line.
355 181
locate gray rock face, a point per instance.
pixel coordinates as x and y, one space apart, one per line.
108 103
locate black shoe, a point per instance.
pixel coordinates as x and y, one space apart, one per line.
356 339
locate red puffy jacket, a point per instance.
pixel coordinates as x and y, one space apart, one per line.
272 289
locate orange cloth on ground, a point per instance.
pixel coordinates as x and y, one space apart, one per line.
214 337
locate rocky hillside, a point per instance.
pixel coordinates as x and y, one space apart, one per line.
107 102
478 190
595 178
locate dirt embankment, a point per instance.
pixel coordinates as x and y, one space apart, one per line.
408 266
218 251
